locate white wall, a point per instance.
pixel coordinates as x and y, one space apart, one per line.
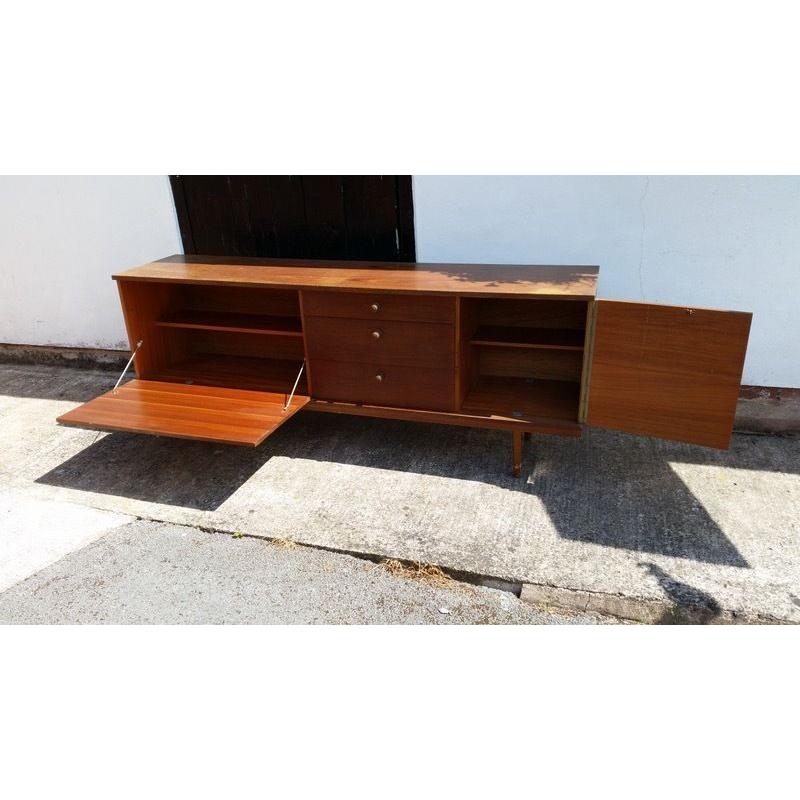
60 240
719 242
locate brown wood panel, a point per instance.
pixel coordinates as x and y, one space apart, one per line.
465 354
516 465
502 280
523 313
231 322
552 427
245 344
384 384
523 398
142 305
542 338
667 371
238 299
224 415
587 361
238 372
419 308
559 365
413 344
307 370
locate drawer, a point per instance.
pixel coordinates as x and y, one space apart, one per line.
362 305
384 385
412 344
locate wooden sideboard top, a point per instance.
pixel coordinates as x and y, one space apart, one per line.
499 280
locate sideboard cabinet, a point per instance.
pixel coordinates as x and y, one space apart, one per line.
228 350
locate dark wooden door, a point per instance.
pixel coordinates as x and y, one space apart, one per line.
296 216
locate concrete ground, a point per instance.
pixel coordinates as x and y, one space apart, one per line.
607 521
152 572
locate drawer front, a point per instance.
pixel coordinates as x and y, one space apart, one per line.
383 385
362 305
412 344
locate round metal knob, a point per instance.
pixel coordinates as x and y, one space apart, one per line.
375 307
376 334
379 377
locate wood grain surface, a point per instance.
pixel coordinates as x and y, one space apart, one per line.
385 384
667 371
360 305
215 414
420 344
503 280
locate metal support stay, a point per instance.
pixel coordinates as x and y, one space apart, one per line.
294 388
127 366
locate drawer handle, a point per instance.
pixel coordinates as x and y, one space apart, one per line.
379 377
375 307
376 334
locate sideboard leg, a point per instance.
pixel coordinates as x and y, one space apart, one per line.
527 436
517 451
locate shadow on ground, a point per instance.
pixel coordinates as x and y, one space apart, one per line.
608 489
45 382
691 604
174 472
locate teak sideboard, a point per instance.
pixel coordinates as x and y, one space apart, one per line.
228 350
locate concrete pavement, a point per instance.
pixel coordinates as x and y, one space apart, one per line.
150 572
35 533
606 516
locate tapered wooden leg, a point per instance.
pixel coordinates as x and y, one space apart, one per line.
526 436
517 450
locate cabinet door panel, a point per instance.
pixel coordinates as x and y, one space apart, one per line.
187 411
667 371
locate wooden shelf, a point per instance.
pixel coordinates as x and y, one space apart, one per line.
523 398
544 338
233 322
240 372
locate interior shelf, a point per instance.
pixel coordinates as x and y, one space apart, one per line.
523 398
240 372
232 322
546 338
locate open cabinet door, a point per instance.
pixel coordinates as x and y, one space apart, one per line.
666 371
188 411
